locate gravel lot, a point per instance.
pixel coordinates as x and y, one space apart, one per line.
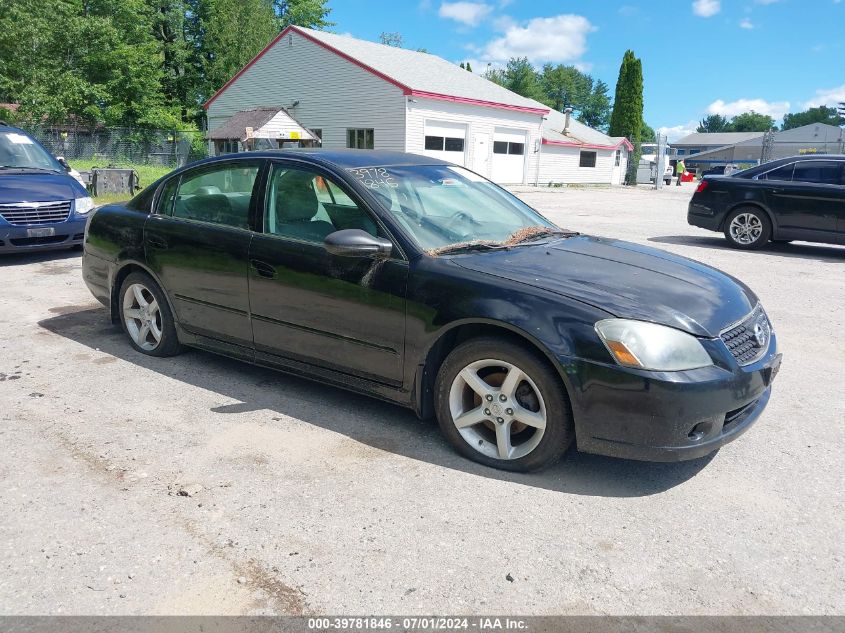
306 499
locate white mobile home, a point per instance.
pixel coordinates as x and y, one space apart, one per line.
358 94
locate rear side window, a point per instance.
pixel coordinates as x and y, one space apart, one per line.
823 172
221 194
781 173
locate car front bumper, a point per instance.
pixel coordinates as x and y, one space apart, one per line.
19 239
669 416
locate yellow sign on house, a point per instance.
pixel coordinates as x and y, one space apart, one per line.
294 135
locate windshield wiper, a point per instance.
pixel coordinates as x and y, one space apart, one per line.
28 167
466 247
531 234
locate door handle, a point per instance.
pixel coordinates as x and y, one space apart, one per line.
263 269
156 242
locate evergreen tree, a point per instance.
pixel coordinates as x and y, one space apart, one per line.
463 67
469 67
233 32
627 116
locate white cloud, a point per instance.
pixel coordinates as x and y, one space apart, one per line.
561 38
746 24
775 109
678 131
828 97
469 13
706 8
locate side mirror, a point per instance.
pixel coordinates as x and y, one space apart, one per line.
63 162
357 243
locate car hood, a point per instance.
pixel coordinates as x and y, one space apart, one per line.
626 280
38 187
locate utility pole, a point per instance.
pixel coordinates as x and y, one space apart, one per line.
768 146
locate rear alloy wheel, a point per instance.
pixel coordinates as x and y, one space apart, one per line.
748 228
146 317
501 405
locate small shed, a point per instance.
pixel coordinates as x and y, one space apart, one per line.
261 128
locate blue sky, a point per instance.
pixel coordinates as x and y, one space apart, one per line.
699 57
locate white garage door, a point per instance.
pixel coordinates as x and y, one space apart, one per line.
446 140
508 156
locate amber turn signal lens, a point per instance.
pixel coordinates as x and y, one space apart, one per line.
623 354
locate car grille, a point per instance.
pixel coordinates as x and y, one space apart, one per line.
35 212
749 339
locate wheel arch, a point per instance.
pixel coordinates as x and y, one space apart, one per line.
126 269
460 331
750 203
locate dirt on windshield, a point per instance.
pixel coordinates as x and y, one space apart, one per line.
515 238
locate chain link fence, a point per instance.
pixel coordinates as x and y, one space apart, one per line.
168 148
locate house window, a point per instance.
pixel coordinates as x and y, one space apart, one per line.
588 159
228 146
504 147
318 132
694 151
434 143
360 138
444 143
454 144
681 152
618 158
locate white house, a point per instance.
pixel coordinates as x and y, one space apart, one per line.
358 94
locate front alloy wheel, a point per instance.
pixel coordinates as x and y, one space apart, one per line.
502 405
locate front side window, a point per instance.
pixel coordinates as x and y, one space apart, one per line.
219 194
443 205
823 172
307 206
588 159
360 138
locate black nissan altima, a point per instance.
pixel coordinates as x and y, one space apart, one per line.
419 282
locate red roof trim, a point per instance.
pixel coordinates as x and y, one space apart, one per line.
624 142
477 102
405 89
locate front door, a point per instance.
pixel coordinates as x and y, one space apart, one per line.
481 154
340 313
812 201
198 245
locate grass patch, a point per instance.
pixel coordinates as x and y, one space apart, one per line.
147 174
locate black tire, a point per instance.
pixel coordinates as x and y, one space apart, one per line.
559 429
168 344
756 216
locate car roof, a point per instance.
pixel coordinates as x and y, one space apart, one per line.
5 127
343 158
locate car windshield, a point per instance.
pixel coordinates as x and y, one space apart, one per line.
19 151
447 208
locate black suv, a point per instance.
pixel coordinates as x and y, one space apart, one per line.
797 198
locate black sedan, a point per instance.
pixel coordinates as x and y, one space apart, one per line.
798 198
422 283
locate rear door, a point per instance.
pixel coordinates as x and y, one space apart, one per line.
340 313
198 244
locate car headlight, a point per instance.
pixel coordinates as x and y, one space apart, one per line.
650 346
83 205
